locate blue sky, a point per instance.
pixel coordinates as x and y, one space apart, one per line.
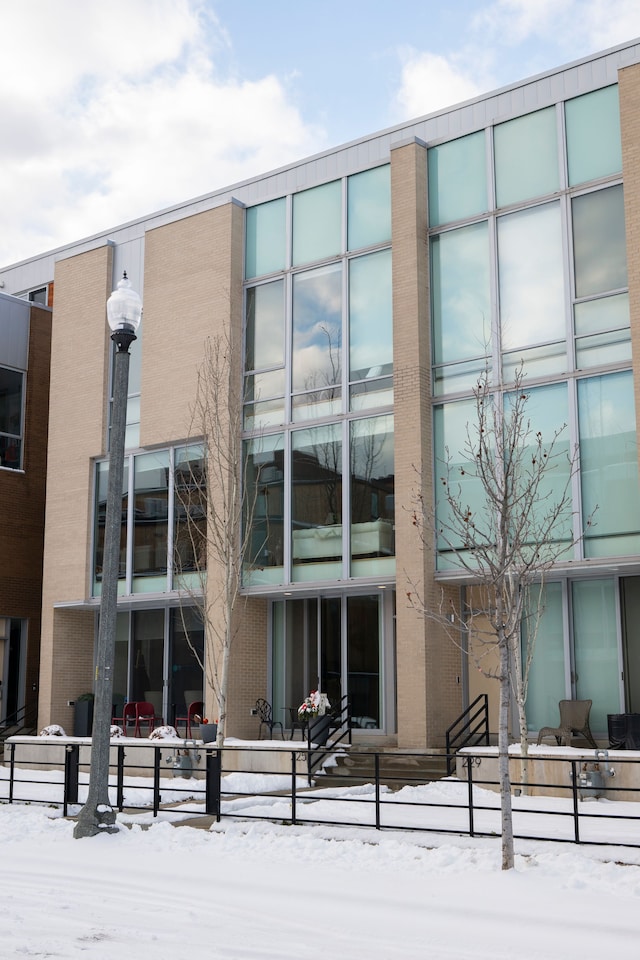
111 111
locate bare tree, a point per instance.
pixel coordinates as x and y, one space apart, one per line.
215 507
503 516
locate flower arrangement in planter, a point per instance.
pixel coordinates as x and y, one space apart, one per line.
315 705
208 731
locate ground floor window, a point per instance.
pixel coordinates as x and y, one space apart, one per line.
159 657
13 641
340 644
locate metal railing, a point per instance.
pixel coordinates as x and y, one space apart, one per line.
18 722
471 727
462 809
338 729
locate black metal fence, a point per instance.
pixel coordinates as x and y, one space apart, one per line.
462 807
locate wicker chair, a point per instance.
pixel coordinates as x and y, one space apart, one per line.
574 719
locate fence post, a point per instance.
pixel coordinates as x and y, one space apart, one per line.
156 781
12 766
71 764
120 777
469 763
574 794
376 763
213 777
293 787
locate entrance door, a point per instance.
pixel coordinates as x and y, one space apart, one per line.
630 601
12 668
334 644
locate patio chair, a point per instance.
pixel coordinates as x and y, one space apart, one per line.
128 715
145 714
574 719
265 714
194 709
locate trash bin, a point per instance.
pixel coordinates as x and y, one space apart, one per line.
617 728
83 716
632 741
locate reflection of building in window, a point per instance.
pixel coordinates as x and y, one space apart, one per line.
11 388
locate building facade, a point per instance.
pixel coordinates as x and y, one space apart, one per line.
25 345
362 292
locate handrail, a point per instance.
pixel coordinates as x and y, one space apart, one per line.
339 728
14 723
456 739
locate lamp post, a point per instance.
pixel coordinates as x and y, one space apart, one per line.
124 309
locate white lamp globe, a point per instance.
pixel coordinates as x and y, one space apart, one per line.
124 307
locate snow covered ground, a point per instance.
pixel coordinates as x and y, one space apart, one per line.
267 891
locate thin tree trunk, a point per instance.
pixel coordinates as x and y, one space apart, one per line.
503 759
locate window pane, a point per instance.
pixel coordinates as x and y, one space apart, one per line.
596 649
593 135
190 518
150 525
526 157
606 313
147 671
317 328
265 326
317 220
460 291
370 316
599 245
530 247
609 465
100 512
457 179
369 207
372 496
266 238
547 672
10 418
316 503
363 659
264 478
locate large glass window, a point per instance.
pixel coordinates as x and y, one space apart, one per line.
593 135
543 632
266 238
317 223
372 496
609 465
11 387
532 288
264 355
316 363
316 503
370 316
526 157
461 298
602 331
369 208
150 522
190 517
599 244
264 479
457 179
597 664
100 513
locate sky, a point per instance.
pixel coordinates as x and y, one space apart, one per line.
259 890
112 111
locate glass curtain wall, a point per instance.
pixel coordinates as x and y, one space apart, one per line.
11 407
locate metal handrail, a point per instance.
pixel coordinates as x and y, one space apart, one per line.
473 725
18 721
339 730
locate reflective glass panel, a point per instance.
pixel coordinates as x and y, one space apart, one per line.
266 238
526 157
372 496
190 517
316 502
597 667
609 465
370 316
150 524
317 328
460 292
147 661
187 659
102 481
593 135
599 244
530 247
264 337
263 518
547 683
457 179
10 417
317 223
369 207
363 661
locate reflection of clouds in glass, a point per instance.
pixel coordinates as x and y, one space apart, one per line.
461 293
370 311
317 327
599 242
265 325
531 277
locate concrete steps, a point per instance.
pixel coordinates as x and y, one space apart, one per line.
396 770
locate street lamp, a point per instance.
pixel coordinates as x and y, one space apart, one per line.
124 309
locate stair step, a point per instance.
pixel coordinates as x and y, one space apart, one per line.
394 771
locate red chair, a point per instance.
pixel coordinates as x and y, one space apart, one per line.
128 713
145 713
194 709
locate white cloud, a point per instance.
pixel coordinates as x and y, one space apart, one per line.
430 81
119 109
